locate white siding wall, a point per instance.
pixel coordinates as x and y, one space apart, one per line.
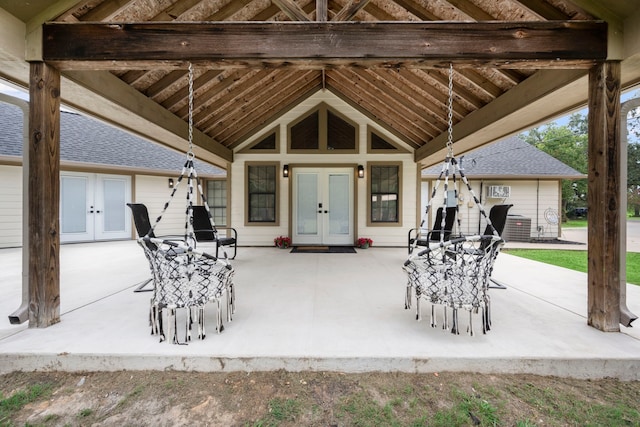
530 199
154 192
11 206
382 235
150 190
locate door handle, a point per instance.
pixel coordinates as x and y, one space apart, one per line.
91 209
326 211
98 211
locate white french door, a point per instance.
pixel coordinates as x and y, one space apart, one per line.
323 204
93 207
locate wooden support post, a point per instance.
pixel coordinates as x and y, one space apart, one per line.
603 197
44 195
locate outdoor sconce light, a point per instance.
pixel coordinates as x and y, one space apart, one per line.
360 171
285 171
170 182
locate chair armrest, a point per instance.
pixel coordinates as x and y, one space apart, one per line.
413 235
234 232
228 241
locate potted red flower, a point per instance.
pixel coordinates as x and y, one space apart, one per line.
364 242
282 242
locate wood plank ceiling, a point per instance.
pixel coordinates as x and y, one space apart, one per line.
231 104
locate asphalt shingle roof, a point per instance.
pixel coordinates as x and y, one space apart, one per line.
510 157
87 140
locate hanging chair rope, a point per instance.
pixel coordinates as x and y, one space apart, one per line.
184 276
453 273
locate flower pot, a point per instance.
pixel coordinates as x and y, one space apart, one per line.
364 246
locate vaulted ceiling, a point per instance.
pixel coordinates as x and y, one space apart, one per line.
232 103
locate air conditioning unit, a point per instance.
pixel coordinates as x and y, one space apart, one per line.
498 191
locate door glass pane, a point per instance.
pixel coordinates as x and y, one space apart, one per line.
114 204
307 218
339 204
73 204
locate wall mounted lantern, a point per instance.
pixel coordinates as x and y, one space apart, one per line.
285 171
360 171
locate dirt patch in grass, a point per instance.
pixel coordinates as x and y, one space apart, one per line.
281 398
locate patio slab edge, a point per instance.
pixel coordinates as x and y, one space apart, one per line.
624 369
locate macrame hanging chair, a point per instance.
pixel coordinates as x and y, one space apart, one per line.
452 274
185 277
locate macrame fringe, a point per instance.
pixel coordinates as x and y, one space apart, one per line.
193 315
452 323
201 330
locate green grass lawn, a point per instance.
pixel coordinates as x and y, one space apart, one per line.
574 223
576 260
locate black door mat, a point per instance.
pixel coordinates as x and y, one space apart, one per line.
323 250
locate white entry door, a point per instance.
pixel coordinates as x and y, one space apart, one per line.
323 206
93 207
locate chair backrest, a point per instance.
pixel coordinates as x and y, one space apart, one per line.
142 222
202 227
141 219
448 226
498 217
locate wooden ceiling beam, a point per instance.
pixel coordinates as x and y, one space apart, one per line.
181 96
439 85
230 129
481 83
544 10
472 10
423 83
322 10
406 98
228 100
427 105
350 10
377 120
378 110
269 117
106 10
164 83
266 101
403 103
119 93
403 110
344 43
418 10
292 10
535 88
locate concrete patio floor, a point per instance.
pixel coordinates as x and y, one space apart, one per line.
297 311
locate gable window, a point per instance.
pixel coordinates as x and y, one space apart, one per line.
376 143
262 193
323 130
217 200
384 191
267 143
304 134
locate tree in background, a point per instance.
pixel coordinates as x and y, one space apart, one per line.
569 145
